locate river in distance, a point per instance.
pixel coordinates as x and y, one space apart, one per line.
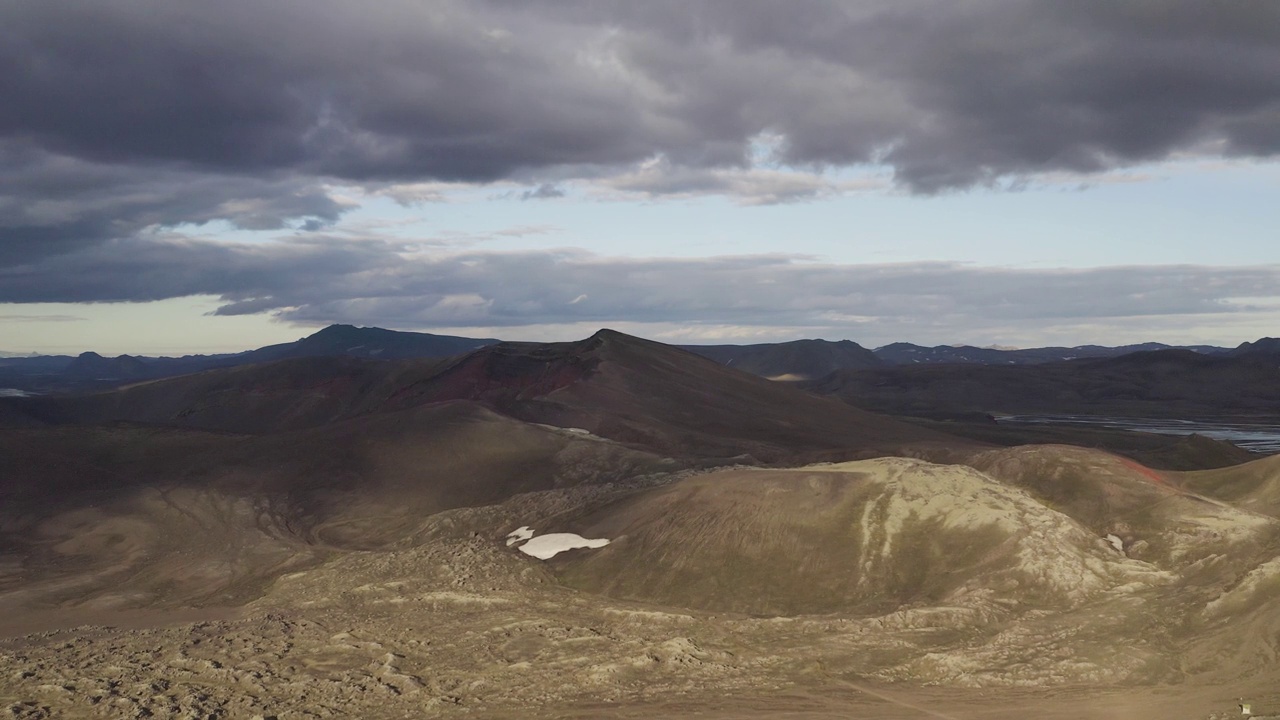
1255 437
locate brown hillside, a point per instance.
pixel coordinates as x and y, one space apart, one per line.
862 537
148 515
675 402
643 393
1253 486
1155 518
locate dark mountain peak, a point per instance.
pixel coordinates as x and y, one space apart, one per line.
796 359
1170 356
1140 347
608 338
1261 346
604 337
545 366
342 332
817 343
340 328
507 372
335 331
338 334
607 344
611 334
370 342
93 365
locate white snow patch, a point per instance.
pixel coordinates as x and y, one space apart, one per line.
545 547
520 534
1116 542
578 431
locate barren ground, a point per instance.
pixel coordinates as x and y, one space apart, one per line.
451 622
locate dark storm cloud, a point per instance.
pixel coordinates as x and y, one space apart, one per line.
322 281
401 90
122 115
144 269
54 203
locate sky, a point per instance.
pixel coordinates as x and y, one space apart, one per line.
183 177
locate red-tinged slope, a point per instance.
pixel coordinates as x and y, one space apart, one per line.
669 400
1160 517
647 394
1253 486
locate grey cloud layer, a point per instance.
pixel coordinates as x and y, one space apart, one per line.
120 115
947 93
50 204
321 282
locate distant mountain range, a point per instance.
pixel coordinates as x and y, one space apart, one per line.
370 342
908 354
1175 383
645 394
1265 346
796 360
89 370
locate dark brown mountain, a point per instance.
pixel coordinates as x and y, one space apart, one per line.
643 393
1264 346
90 371
908 354
797 360
126 508
666 399
1163 383
92 366
270 397
366 342
200 489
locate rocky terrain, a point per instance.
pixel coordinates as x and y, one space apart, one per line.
357 549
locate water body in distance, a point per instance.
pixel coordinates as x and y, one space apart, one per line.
1255 437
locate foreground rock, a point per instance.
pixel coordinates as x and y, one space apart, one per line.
987 598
